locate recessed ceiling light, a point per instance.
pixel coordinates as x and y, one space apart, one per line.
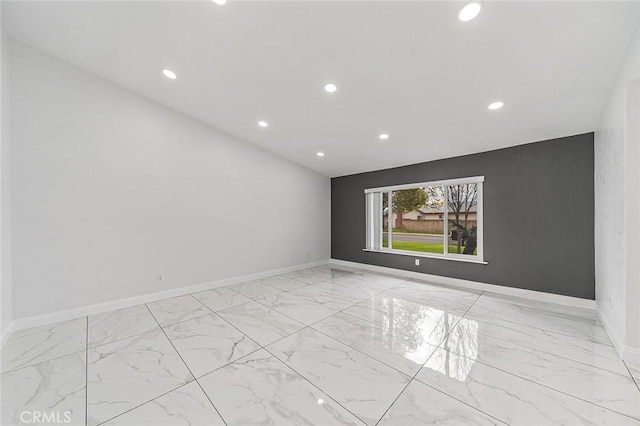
320 154
169 74
330 87
496 105
383 136
220 2
470 10
263 123
320 401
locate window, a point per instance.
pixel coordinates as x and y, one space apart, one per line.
410 219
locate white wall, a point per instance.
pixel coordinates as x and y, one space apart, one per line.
5 206
110 188
632 213
616 210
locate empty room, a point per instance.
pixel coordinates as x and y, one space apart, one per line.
326 212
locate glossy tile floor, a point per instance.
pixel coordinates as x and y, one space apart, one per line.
324 346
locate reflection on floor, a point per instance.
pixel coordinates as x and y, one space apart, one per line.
322 346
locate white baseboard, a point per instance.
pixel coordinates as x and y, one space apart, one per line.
24 323
616 339
491 288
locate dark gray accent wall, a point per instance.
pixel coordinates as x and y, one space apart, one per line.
538 216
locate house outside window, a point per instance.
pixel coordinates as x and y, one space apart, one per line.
410 219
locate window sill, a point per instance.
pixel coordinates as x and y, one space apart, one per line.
427 255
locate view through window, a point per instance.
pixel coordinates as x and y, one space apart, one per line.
441 219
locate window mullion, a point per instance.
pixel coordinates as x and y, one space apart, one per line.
454 188
390 224
445 217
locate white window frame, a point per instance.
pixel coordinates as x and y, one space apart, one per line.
375 220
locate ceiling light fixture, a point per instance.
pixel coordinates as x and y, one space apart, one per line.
330 87
263 123
383 136
169 74
470 10
496 105
320 154
220 2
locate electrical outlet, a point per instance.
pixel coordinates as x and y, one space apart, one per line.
307 254
417 262
159 277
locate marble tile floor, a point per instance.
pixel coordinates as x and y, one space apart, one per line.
322 346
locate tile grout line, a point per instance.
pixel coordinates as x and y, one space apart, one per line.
314 385
552 354
228 322
204 314
263 347
636 381
49 328
300 297
546 331
337 311
310 327
276 288
144 332
382 291
366 354
461 402
414 377
560 333
305 325
440 344
567 334
293 289
424 363
239 331
146 402
216 314
314 323
530 381
87 348
185 364
148 331
288 335
41 362
268 307
539 384
374 324
557 390
400 332
229 363
512 322
302 284
329 280
329 316
260 347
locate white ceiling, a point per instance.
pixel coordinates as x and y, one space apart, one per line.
407 68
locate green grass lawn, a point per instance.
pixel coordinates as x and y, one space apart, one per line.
423 247
406 231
